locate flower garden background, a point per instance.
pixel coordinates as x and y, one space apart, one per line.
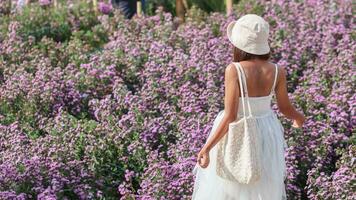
101 107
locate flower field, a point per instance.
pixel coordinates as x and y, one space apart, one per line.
101 107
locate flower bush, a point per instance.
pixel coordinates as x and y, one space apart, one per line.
105 8
118 109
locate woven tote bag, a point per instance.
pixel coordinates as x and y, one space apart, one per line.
238 152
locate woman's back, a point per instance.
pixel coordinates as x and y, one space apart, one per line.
261 83
260 76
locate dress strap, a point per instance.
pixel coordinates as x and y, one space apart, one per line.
275 79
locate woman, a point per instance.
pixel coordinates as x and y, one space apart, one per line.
249 35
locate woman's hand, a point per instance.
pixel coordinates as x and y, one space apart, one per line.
298 123
203 158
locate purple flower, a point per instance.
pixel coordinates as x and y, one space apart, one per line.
104 8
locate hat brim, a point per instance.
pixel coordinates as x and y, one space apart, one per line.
229 30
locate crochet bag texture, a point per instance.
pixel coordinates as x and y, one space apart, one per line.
238 152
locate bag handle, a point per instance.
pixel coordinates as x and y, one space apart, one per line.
241 89
245 87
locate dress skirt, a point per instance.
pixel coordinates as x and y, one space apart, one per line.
209 186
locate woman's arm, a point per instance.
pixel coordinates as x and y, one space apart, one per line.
230 103
283 102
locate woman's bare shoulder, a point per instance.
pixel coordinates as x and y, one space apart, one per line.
230 72
281 76
282 72
231 68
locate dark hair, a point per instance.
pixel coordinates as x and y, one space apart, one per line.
240 55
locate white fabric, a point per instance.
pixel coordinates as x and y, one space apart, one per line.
209 186
249 33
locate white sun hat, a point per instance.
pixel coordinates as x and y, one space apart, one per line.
250 34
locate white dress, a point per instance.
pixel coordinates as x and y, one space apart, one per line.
209 186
